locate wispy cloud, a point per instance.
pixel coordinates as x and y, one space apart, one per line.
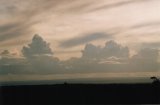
14 30
22 15
147 24
117 4
58 20
84 39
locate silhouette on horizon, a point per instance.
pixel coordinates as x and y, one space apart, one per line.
156 81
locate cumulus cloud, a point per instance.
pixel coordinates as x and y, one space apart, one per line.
113 57
146 56
145 59
110 49
38 59
37 47
110 58
45 64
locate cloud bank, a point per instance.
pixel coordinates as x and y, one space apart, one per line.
110 49
38 58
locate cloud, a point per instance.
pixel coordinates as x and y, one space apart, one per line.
39 55
14 30
37 59
113 57
117 4
147 24
84 39
37 47
11 64
147 54
110 49
114 49
16 20
18 16
151 45
9 54
145 60
34 8
5 52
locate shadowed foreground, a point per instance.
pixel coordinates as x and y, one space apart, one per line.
80 93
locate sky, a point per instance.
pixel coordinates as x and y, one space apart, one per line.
82 35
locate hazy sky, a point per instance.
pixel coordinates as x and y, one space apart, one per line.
104 34
134 23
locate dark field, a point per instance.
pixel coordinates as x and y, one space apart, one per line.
81 94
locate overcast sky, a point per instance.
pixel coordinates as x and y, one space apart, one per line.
83 29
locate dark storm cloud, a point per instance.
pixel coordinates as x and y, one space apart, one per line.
84 39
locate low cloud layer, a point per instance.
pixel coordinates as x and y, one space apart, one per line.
151 45
113 57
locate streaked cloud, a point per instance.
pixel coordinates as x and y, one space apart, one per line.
118 4
14 30
84 39
149 24
57 18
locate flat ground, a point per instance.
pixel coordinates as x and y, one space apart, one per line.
80 93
